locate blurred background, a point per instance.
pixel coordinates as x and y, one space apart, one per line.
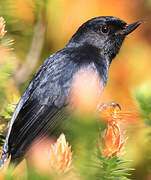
36 29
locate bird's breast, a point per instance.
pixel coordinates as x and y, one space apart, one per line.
87 87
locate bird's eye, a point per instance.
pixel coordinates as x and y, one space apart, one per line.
105 29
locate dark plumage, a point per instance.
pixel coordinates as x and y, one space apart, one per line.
41 107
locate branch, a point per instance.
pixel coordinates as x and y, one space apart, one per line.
33 56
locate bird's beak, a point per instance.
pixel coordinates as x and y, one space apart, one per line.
129 28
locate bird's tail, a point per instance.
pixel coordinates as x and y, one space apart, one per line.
3 160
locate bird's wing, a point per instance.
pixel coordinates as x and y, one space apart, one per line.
35 120
42 103
15 114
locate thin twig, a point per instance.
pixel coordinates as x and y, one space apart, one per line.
34 54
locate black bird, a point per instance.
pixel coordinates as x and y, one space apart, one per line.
41 107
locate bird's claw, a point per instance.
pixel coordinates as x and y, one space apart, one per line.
101 107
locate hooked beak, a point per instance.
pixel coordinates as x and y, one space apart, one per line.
129 28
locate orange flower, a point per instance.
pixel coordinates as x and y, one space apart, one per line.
113 142
60 158
114 114
2 27
47 156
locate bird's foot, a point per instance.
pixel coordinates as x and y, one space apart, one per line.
103 106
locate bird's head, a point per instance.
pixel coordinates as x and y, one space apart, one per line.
105 33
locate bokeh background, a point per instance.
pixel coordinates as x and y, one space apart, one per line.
36 29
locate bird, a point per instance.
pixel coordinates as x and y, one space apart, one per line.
42 106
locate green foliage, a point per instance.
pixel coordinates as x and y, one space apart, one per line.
109 168
143 98
38 7
6 69
7 112
7 11
7 43
2 140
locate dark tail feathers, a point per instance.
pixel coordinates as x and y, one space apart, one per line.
3 160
